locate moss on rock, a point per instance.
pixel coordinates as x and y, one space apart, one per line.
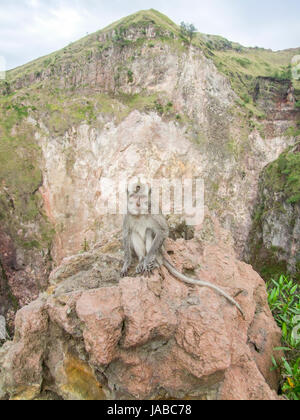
273 243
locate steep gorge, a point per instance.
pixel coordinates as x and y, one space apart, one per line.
135 97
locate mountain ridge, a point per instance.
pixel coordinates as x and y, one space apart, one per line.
144 18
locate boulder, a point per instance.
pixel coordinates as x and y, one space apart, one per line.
96 336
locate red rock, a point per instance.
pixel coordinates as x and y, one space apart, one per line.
102 314
150 337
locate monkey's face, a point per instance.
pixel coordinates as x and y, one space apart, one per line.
138 200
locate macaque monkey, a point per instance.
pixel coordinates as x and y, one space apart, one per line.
144 234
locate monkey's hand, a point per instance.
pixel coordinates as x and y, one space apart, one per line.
125 269
150 264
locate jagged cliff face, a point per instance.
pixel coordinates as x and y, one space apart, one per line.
134 98
273 246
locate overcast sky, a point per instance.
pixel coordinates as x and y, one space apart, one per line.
33 28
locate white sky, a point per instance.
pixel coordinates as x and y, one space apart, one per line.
33 28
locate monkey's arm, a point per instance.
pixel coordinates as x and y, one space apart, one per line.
127 247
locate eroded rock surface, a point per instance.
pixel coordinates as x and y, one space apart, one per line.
95 336
273 246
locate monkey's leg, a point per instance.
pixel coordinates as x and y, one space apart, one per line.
153 249
139 247
127 250
149 240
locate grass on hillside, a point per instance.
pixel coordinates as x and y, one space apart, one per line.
241 65
283 175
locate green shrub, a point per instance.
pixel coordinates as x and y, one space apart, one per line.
285 74
244 62
159 107
130 76
245 98
284 302
284 176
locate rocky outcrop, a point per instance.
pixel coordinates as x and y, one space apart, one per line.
271 93
273 246
94 336
23 275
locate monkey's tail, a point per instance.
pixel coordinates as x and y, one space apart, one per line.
200 283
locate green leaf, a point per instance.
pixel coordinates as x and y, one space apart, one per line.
287 367
282 348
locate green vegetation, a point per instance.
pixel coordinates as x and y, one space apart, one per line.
7 290
293 131
20 175
279 187
284 302
142 19
61 109
85 246
188 30
283 73
140 102
130 76
258 126
233 148
283 176
242 66
244 62
145 103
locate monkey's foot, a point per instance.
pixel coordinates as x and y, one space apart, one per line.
140 267
124 270
149 265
